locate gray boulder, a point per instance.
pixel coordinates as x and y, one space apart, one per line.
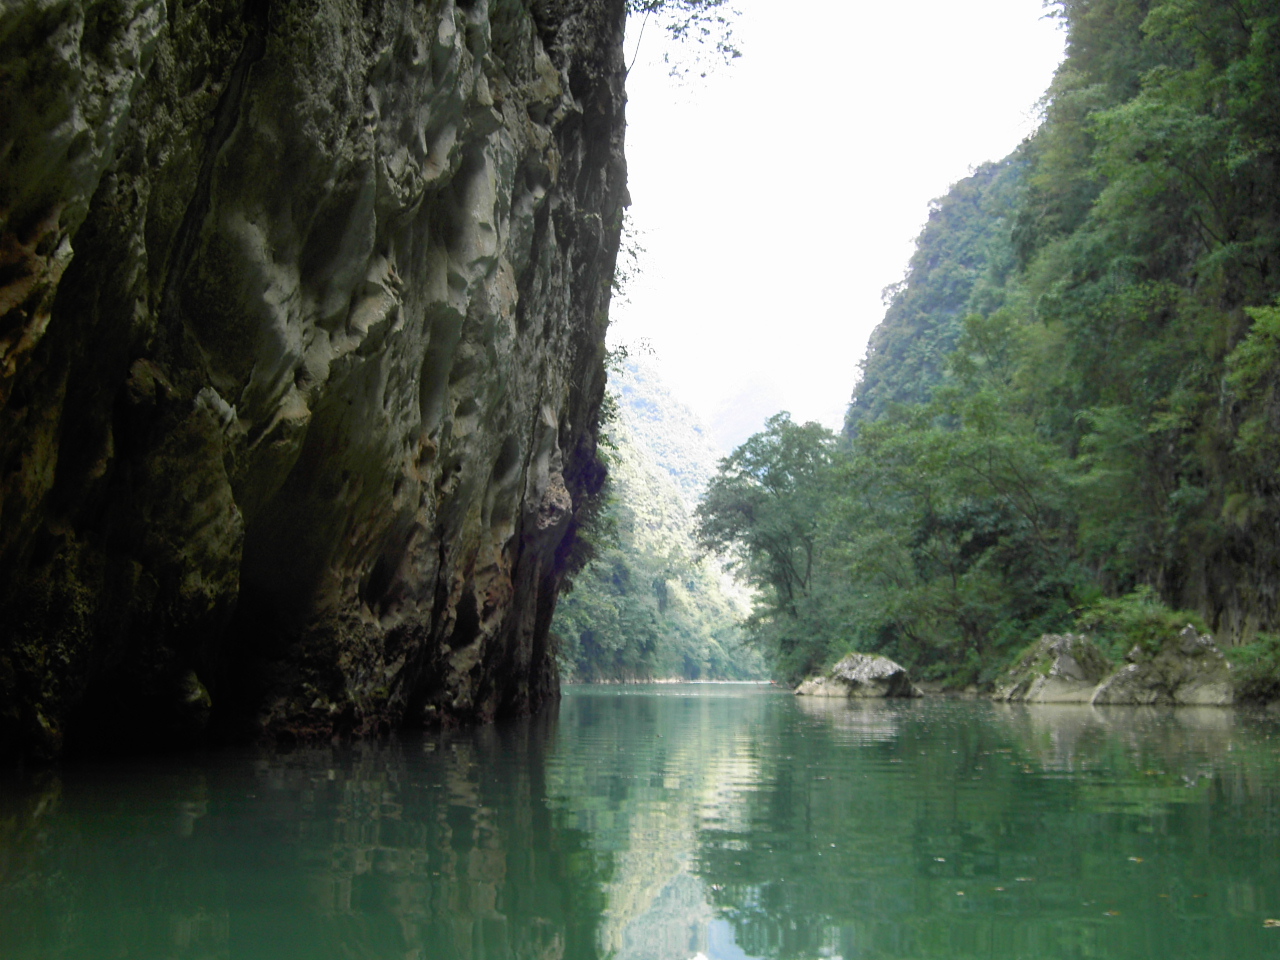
1058 668
861 676
1188 670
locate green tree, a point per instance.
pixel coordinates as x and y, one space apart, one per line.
1073 399
766 507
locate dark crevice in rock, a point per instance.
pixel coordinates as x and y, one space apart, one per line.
226 116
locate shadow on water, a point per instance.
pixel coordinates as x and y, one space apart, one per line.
435 848
659 823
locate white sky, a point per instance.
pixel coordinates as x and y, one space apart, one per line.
777 197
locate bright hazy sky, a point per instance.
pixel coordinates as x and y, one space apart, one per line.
777 197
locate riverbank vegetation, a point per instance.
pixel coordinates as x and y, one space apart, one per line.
1069 417
646 605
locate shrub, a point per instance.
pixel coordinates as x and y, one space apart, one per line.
1256 667
1117 624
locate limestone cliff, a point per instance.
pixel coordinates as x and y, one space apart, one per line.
302 307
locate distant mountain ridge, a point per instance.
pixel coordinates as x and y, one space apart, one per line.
675 437
649 605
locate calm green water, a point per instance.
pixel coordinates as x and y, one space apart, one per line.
664 822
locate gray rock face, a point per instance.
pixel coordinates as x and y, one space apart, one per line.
861 675
1189 670
1059 668
302 312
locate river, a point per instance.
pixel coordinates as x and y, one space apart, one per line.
667 822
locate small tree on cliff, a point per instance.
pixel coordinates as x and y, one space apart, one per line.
703 26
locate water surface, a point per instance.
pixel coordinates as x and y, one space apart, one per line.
667 821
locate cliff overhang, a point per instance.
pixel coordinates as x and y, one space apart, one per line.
302 313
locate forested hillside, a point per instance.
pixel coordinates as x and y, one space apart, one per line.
647 606
962 262
1070 414
675 440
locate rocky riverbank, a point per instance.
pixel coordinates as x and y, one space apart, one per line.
1186 669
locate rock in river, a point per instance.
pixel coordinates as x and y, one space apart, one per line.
1058 668
1189 670
861 675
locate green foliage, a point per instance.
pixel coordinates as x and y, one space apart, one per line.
645 606
1117 624
1253 383
594 526
1074 394
766 500
935 538
665 428
1256 668
962 258
704 28
765 508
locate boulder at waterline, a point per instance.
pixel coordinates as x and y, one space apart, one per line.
1058 668
861 675
1189 669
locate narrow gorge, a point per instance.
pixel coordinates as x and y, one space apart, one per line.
302 315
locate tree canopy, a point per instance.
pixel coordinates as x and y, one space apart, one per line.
1074 396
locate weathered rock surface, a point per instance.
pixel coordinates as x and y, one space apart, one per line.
1058 668
861 675
1188 670
302 312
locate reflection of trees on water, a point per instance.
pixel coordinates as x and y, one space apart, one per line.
437 849
641 775
976 830
866 830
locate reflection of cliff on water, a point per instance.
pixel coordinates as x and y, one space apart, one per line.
659 823
443 848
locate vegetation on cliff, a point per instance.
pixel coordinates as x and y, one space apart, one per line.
1075 392
647 605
